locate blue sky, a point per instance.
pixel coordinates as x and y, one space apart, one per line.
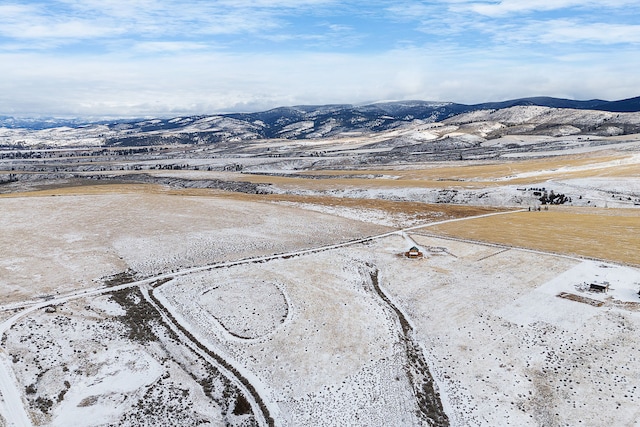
164 58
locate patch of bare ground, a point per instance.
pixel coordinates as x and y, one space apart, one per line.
122 278
627 305
607 234
579 298
88 187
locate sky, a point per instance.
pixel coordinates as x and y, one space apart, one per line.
98 58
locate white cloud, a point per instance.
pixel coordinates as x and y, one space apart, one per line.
565 31
190 83
63 30
410 11
169 46
33 23
100 19
506 7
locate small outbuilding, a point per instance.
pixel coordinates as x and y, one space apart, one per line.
601 288
414 252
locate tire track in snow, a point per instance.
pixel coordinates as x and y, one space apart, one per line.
221 363
425 390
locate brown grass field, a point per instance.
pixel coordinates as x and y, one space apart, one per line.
460 174
606 234
598 163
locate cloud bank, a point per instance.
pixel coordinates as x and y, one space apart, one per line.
144 58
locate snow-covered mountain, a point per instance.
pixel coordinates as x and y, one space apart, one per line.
538 115
536 120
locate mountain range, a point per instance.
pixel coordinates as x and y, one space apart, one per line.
302 122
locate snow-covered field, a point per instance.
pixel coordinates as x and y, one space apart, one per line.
88 364
343 336
333 358
508 350
505 349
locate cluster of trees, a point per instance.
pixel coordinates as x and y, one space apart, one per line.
172 167
36 154
552 198
233 167
12 178
23 155
131 151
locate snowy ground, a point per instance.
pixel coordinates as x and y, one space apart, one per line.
504 347
86 364
320 345
334 358
507 349
339 335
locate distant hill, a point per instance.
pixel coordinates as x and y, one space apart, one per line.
39 123
630 105
543 101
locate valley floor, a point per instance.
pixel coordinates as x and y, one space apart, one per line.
268 283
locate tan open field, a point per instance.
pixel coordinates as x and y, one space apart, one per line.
488 169
607 234
459 174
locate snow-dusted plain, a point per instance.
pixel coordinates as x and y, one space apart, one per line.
333 358
508 350
319 344
53 245
105 359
